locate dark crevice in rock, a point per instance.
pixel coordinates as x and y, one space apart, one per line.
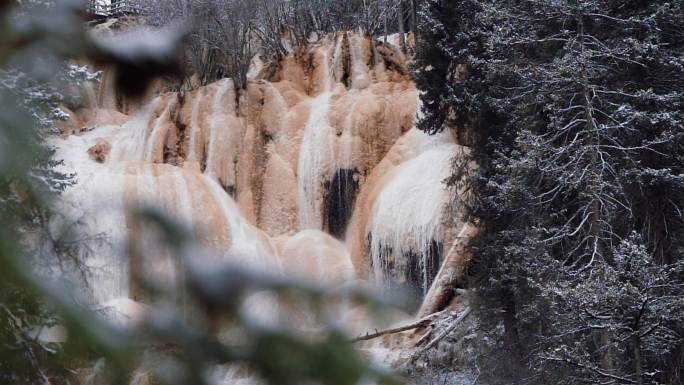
341 195
230 190
409 279
346 62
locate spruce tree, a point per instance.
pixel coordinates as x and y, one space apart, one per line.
574 113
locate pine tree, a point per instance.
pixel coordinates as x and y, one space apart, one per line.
33 91
574 113
450 41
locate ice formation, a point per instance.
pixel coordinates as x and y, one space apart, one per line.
316 170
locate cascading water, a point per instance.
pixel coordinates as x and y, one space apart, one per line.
405 228
193 156
338 57
103 193
152 142
325 155
132 137
360 75
99 221
217 124
89 95
315 155
323 148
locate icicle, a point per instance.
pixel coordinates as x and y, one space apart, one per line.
218 119
407 215
337 66
315 155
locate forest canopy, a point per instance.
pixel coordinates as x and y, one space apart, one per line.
574 113
568 117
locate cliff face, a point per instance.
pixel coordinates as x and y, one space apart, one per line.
315 169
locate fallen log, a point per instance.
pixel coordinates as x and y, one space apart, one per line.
451 274
420 323
446 331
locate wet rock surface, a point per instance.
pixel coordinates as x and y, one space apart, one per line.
316 170
100 151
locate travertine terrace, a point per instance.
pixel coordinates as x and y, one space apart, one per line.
315 169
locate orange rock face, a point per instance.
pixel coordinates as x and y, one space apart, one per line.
315 169
100 151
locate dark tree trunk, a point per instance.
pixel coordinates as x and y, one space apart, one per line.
385 27
637 359
414 21
402 36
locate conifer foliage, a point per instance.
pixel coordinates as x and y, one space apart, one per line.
573 109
